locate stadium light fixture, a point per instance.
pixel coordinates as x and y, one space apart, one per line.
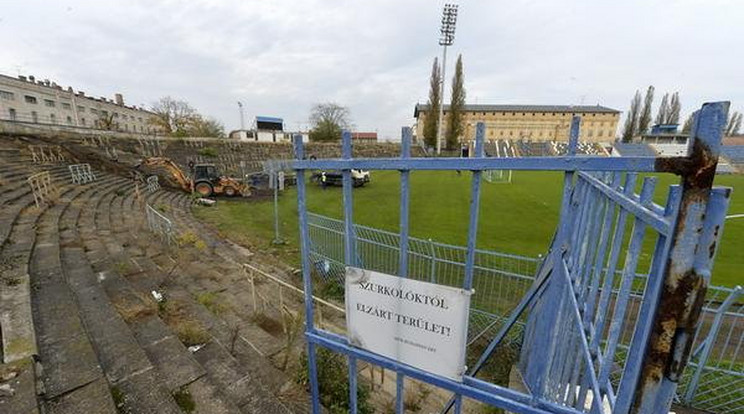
446 38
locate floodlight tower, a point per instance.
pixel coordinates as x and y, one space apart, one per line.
446 38
242 119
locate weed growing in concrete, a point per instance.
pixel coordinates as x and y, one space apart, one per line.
184 400
119 399
211 302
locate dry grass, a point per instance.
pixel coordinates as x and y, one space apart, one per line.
189 331
135 306
211 301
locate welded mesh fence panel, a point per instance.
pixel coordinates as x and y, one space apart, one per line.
500 280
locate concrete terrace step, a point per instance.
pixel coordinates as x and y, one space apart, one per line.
170 355
73 380
125 364
173 361
247 356
16 321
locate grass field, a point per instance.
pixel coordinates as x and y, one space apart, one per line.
517 218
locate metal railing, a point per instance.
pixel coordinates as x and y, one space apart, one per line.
81 173
153 184
160 225
42 154
42 188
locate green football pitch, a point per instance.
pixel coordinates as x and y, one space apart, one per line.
517 218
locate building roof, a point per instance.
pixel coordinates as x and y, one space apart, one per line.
364 135
526 108
271 119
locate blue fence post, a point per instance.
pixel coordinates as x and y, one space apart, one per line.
405 199
349 253
306 276
669 313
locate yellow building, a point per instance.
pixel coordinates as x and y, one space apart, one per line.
531 122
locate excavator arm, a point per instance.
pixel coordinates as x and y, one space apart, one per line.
171 167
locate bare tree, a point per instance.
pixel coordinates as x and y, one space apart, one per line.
172 116
455 122
328 120
644 120
663 115
631 120
432 117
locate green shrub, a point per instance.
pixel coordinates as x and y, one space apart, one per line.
333 382
208 152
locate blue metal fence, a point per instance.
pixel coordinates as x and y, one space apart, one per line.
575 322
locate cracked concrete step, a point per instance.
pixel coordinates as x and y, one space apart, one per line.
16 320
248 393
71 370
168 354
123 361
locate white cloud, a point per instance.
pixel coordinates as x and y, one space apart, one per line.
280 57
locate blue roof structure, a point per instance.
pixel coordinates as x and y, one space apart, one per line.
269 119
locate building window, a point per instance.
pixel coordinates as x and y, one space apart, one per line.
116 114
81 109
53 118
34 116
30 99
94 111
69 120
82 121
65 105
140 118
104 113
48 102
591 133
601 133
12 113
8 96
126 127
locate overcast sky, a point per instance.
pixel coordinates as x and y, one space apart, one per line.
280 57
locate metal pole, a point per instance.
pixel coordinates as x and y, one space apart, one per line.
277 237
441 102
242 120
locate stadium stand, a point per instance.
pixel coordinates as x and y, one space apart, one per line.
734 154
500 148
77 275
585 148
633 150
535 148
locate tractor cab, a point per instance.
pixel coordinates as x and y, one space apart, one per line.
206 172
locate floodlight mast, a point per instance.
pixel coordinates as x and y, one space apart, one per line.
446 38
242 119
